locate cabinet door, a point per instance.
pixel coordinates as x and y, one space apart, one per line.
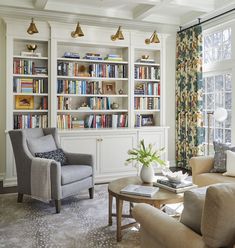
158 138
113 151
81 144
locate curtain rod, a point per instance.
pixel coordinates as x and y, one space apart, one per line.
199 20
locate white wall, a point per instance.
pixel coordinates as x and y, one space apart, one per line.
2 98
170 95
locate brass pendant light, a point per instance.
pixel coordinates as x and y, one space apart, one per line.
32 29
78 32
118 35
153 39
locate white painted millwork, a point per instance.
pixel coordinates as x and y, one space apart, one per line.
108 146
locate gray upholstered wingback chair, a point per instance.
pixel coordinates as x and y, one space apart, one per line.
66 180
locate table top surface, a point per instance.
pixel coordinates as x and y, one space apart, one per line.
161 196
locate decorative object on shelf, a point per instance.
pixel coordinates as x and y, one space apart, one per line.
82 71
114 105
147 120
32 29
121 92
118 35
108 88
146 156
24 102
174 177
220 115
31 47
145 56
153 39
78 32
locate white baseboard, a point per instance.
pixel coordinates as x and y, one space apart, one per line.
2 176
10 182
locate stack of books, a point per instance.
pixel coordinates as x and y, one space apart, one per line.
145 60
93 56
71 55
113 57
175 187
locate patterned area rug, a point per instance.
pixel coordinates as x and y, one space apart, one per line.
82 223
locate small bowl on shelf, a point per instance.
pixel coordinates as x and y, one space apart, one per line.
31 47
145 56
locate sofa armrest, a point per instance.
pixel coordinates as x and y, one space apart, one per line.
55 172
158 224
79 158
202 164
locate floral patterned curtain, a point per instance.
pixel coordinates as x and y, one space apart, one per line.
189 133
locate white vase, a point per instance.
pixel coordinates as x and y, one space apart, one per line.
147 174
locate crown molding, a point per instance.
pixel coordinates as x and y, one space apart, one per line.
45 15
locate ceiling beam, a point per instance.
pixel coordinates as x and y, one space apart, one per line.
40 4
195 5
142 10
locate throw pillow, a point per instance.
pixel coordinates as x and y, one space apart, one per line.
57 155
193 206
230 164
220 156
43 144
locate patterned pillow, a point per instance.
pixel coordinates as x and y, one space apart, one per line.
58 155
220 156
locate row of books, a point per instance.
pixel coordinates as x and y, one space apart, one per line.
110 71
29 85
44 103
147 72
64 103
80 87
147 89
30 121
28 67
99 103
147 103
94 70
94 121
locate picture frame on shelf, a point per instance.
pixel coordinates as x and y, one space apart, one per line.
109 88
147 120
24 102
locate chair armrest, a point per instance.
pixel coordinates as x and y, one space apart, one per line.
202 164
79 158
55 172
158 224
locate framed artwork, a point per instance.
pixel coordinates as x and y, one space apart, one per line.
24 102
108 88
147 120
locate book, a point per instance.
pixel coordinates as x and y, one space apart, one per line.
183 184
175 190
140 190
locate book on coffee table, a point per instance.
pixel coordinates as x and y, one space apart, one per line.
140 190
182 187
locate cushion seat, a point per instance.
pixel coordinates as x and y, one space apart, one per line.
212 178
73 173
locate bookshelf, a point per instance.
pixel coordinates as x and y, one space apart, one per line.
147 87
92 86
30 84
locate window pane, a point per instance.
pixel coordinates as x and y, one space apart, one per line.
210 84
210 101
219 83
219 100
228 83
228 136
219 134
228 121
228 100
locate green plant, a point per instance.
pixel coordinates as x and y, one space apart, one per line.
145 155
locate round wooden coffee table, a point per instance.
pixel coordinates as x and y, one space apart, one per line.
159 199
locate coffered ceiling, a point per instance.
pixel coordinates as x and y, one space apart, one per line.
165 12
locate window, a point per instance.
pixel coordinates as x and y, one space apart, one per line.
217 46
217 85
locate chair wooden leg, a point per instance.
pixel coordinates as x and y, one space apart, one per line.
57 206
91 192
20 197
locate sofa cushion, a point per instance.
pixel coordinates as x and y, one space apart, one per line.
58 155
72 173
42 144
230 165
193 207
220 156
212 178
218 218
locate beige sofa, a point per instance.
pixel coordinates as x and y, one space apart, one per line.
216 224
201 167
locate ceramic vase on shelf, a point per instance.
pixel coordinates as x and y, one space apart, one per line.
147 174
